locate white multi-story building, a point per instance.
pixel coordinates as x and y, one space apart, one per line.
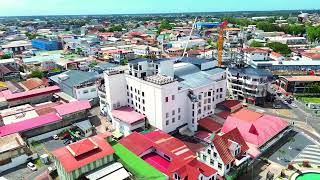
248 84
171 95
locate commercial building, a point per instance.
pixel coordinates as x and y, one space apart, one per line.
259 130
169 155
16 47
249 84
172 96
297 84
79 84
47 45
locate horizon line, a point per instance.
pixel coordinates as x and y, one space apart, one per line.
161 13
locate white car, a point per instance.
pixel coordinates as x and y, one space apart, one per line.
294 105
31 166
55 137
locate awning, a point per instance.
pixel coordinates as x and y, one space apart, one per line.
117 134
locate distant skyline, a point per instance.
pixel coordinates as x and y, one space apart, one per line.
88 7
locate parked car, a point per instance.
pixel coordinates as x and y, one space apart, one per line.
31 166
55 137
66 141
294 105
276 106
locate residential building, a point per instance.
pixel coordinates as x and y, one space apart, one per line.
255 54
169 155
47 45
291 41
297 84
188 43
33 83
79 84
224 151
171 96
16 47
77 159
13 151
8 72
249 84
143 50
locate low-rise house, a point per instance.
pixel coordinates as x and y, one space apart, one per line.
13 151
169 155
33 83
78 84
126 120
223 151
8 72
77 159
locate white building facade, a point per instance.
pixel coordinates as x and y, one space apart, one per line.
171 96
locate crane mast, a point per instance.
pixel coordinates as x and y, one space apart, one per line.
221 41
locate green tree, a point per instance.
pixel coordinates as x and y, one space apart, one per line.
102 30
313 33
280 48
56 70
93 64
30 36
115 28
165 24
5 56
267 26
37 73
124 61
256 44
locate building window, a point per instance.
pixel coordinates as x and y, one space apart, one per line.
179 110
167 99
132 102
127 87
219 165
142 94
143 108
217 90
128 101
173 112
138 92
142 101
214 154
217 97
135 90
167 115
85 91
127 93
228 166
209 151
173 120
179 117
212 162
220 89
131 95
209 93
220 95
205 94
167 122
209 100
93 90
213 99
173 97
204 157
131 88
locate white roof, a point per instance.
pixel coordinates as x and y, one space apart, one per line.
114 171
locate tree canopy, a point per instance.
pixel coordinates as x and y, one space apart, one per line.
30 36
5 56
256 44
165 24
115 28
280 48
313 33
37 74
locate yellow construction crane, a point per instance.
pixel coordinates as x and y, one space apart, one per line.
222 27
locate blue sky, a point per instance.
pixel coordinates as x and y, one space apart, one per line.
61 7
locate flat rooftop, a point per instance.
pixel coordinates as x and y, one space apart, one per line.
11 142
302 78
127 115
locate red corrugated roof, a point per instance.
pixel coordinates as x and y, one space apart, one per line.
72 107
71 163
127 115
82 147
36 92
210 124
182 158
223 114
265 126
231 104
32 83
28 124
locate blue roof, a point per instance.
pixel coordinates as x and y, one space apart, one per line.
250 71
39 59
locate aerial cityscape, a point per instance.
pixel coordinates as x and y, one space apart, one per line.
159 90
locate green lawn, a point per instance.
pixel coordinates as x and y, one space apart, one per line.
311 99
138 167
